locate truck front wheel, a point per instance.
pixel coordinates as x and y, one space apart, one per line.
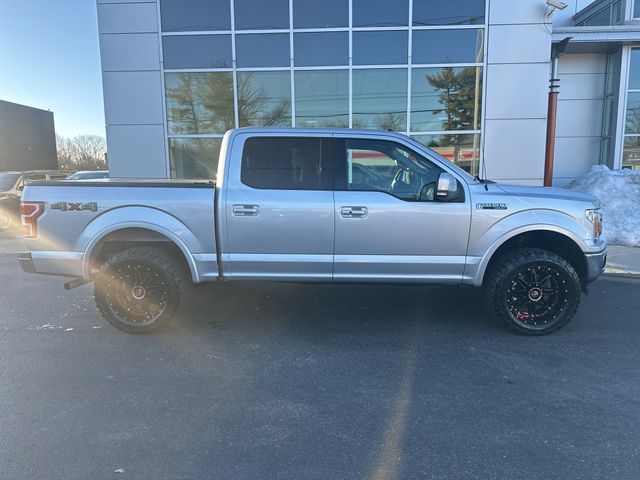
534 291
138 290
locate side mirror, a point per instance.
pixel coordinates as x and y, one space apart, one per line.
20 187
447 187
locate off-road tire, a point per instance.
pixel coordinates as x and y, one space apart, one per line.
139 282
505 282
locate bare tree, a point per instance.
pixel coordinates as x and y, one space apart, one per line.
82 152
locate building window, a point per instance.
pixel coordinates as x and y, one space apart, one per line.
610 112
251 14
380 99
448 46
321 49
194 157
380 13
446 99
263 50
320 14
264 99
611 14
631 152
199 102
326 73
380 48
322 98
197 51
451 12
195 15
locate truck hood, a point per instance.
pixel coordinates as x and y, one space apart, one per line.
524 192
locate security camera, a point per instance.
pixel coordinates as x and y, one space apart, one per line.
556 4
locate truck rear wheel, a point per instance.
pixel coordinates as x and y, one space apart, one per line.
139 290
534 291
6 220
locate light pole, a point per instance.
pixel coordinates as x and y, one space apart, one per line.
552 110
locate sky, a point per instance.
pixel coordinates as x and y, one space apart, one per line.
50 59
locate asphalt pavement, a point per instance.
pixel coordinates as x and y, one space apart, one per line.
315 382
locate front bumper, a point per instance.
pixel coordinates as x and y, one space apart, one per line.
595 265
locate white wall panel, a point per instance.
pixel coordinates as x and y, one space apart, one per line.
136 151
516 11
514 149
575 155
138 51
132 97
519 44
581 86
517 90
579 118
127 18
582 63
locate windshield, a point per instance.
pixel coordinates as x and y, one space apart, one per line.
8 180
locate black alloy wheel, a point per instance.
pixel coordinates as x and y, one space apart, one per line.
139 289
534 291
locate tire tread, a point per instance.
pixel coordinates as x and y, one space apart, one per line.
515 259
162 260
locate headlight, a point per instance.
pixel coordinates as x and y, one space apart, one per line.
595 217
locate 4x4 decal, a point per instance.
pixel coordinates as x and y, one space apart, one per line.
75 207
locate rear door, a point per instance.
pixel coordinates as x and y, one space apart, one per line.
278 208
389 224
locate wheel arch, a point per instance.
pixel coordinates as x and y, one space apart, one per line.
553 239
129 234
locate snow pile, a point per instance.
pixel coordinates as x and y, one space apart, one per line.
619 195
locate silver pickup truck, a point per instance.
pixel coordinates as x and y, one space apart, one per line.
317 206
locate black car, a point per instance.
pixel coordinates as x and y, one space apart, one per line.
11 186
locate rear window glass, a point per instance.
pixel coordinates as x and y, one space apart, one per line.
8 180
286 164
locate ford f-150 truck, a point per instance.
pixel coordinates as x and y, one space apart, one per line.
317 205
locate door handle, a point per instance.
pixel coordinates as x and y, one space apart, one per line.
353 212
245 210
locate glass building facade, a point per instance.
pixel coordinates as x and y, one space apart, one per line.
631 152
410 66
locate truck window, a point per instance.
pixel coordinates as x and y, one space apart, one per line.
286 164
375 165
34 177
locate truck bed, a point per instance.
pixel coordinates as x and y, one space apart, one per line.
79 214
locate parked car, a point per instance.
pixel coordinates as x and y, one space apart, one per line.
325 205
11 186
89 175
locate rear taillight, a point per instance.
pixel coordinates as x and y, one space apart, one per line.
29 214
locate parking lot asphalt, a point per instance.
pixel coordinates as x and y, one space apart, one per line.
315 382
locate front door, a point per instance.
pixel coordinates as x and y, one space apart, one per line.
279 210
389 224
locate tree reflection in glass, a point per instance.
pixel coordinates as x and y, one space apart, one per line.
264 99
200 103
446 98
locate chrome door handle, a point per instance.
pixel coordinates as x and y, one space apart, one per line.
353 212
245 210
